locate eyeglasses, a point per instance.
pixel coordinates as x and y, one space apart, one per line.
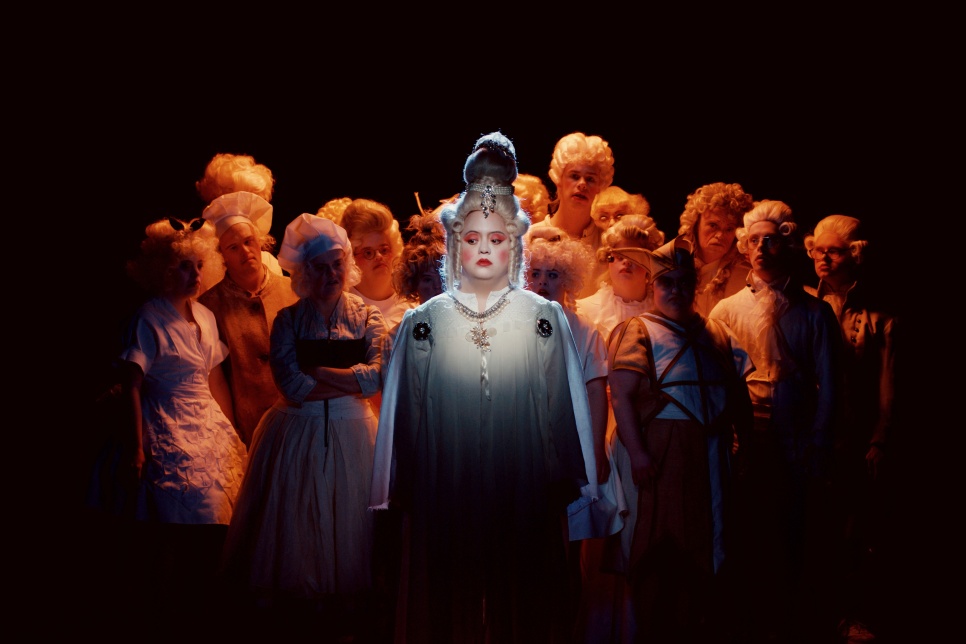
668 283
834 253
767 242
369 252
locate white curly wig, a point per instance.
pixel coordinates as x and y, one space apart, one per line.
769 210
578 148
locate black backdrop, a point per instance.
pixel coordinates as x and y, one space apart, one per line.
829 112
816 148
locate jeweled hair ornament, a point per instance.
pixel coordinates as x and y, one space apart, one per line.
488 201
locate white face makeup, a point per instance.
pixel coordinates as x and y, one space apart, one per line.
543 279
184 278
485 251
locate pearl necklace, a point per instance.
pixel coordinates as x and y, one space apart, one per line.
478 335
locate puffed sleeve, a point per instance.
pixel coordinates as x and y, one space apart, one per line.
628 347
393 384
591 514
140 343
369 373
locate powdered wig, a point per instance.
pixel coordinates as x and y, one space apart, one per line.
334 208
572 258
227 173
533 195
848 228
167 242
639 229
364 216
772 210
493 162
729 198
300 283
579 149
422 252
620 201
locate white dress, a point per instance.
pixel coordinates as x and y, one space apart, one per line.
593 354
302 527
482 451
607 310
196 459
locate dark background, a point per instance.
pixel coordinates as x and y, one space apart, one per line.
791 131
831 113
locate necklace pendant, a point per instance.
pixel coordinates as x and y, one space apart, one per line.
481 337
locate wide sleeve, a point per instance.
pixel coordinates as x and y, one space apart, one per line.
590 346
394 381
593 513
140 343
574 396
627 347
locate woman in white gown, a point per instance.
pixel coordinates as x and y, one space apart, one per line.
189 457
484 433
301 537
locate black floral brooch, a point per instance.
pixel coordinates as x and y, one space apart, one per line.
544 328
421 331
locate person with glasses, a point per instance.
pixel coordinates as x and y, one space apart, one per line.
376 245
184 450
558 266
623 292
712 214
299 548
840 254
679 395
782 493
614 202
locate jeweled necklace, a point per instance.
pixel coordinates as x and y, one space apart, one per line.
478 335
